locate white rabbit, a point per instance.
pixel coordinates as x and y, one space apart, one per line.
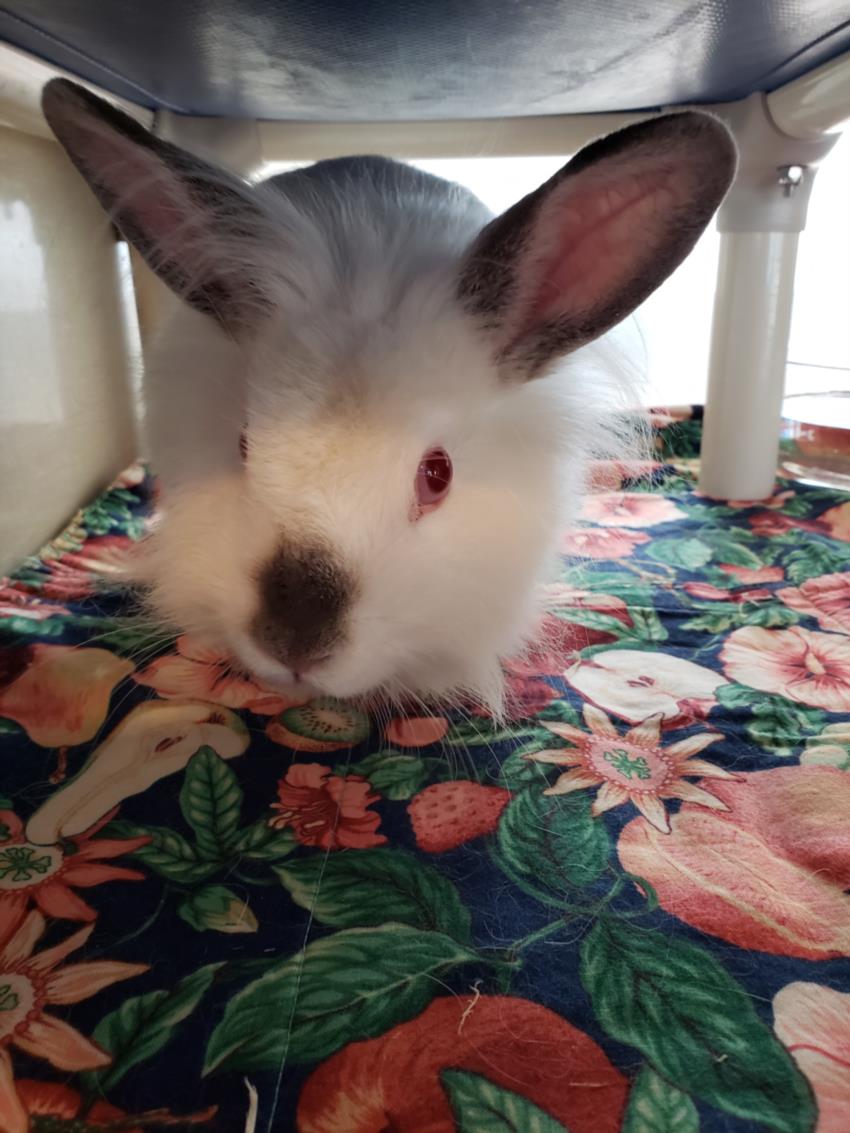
367 434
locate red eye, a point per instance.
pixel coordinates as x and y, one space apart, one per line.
243 445
433 480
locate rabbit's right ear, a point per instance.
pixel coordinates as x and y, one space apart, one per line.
195 225
575 257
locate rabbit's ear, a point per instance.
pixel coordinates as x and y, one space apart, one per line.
580 253
192 223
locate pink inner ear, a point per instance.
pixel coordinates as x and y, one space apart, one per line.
598 239
146 193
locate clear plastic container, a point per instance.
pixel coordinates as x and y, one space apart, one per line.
815 438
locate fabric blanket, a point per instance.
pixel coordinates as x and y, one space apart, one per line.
623 911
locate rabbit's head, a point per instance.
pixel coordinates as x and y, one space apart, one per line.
363 413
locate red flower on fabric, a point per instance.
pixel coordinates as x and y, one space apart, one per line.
630 509
609 475
813 1022
826 598
767 875
753 575
327 810
46 876
393 1082
836 522
802 665
199 672
776 501
51 1099
17 602
770 523
560 638
709 593
601 542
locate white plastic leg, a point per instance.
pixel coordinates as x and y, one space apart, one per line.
752 320
760 222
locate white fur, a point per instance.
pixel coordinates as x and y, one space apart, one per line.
344 389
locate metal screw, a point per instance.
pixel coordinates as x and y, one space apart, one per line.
790 176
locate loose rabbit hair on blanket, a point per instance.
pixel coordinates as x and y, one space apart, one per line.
366 412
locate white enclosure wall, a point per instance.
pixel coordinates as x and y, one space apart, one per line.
67 346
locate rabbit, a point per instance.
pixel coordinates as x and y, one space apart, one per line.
366 412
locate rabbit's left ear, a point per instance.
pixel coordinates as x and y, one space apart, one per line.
195 225
576 256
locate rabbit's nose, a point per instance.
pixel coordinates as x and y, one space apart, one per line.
305 596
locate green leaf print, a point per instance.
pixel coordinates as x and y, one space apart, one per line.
688 553
218 909
777 725
142 1026
552 839
693 1023
395 775
353 985
362 888
657 1107
262 842
480 1106
816 558
211 802
167 853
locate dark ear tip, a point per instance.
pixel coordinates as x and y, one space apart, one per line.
59 92
700 126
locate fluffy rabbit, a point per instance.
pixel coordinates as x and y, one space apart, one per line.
366 426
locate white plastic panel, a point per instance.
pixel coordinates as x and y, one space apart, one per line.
68 341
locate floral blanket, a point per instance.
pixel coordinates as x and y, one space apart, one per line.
624 911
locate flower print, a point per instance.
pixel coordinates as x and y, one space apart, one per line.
560 637
59 694
836 522
630 509
769 874
19 604
768 524
52 1099
601 542
635 684
831 746
777 501
74 574
394 1081
331 811
199 672
826 598
709 593
416 731
634 767
30 983
805 666
610 475
662 416
525 697
47 875
753 575
155 739
813 1022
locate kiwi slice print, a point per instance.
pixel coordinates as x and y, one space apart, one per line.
328 721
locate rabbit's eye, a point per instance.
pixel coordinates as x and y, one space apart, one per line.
433 480
243 445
